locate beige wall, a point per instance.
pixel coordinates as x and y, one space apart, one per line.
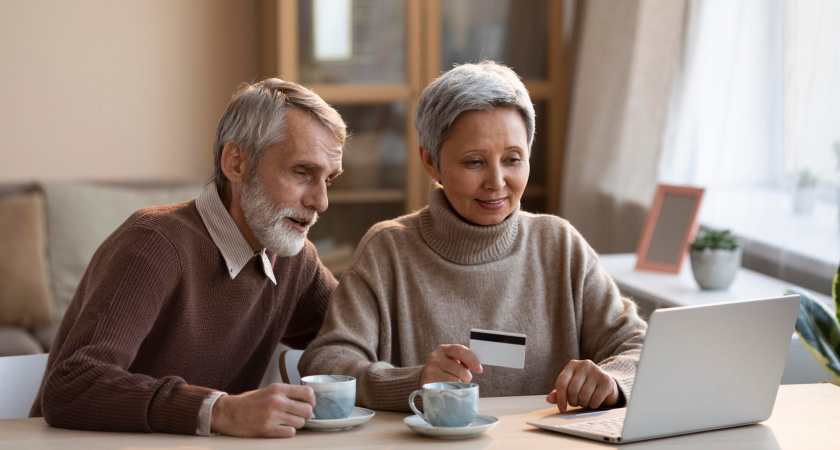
104 89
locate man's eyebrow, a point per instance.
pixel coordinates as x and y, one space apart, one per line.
307 165
312 166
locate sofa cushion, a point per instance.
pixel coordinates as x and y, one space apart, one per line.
80 216
25 297
16 341
45 334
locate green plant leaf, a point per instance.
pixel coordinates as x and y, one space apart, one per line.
835 286
819 330
715 239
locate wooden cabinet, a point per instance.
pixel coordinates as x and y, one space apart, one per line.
371 59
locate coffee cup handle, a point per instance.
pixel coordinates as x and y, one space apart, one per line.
411 404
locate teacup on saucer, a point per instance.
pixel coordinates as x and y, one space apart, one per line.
335 395
447 404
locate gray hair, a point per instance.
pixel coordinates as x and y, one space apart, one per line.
255 120
469 87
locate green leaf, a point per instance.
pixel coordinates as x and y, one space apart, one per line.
819 330
835 286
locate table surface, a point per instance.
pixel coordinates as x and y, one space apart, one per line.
805 416
669 289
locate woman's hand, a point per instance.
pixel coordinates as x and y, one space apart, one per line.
583 383
450 362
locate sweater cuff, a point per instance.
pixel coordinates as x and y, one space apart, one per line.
178 412
388 387
623 371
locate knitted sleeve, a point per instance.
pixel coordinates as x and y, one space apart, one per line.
88 384
611 331
314 286
349 344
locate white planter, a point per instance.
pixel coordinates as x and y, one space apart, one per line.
804 199
715 269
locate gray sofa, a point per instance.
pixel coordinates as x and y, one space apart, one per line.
48 233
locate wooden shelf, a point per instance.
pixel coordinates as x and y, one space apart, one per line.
362 93
534 192
366 196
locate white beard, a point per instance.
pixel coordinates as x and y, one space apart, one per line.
267 221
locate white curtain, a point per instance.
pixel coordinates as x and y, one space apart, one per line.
812 83
756 102
725 127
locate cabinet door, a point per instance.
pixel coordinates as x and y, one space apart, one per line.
525 35
371 59
362 57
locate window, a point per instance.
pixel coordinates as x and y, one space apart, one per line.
755 119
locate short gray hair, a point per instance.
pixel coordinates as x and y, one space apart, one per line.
256 120
469 87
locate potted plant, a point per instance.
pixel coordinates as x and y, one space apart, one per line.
819 328
715 258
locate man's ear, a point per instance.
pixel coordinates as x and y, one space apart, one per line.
234 162
429 164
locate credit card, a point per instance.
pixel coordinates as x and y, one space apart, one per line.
498 348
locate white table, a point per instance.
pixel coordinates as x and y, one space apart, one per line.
654 290
804 417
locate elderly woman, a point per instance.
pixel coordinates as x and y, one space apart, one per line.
472 259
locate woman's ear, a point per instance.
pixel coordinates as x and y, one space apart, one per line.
234 162
429 164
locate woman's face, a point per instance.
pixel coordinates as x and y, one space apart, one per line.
483 165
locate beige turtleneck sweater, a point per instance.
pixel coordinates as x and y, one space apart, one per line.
427 278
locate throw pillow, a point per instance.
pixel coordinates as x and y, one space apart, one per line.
80 216
25 298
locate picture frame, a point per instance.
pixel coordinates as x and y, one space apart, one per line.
670 226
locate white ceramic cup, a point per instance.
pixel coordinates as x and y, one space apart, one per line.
335 395
447 404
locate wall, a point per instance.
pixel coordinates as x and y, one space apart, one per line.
103 89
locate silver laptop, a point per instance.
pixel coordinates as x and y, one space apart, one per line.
701 368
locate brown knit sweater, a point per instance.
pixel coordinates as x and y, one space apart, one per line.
157 324
426 278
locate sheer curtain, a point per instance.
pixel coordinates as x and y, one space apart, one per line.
756 102
813 91
725 125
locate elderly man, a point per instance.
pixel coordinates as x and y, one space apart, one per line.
176 318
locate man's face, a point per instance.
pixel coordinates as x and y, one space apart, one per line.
290 187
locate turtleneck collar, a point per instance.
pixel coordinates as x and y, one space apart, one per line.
459 241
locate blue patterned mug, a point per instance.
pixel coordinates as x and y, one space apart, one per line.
335 395
447 404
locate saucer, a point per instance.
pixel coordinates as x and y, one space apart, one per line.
481 424
357 417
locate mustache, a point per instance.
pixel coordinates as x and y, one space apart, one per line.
307 217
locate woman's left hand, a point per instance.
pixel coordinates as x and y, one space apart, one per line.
583 383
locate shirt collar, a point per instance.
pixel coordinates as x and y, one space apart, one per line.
226 235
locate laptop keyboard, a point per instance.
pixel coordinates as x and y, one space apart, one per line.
607 427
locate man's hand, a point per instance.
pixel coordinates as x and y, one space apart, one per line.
583 383
450 362
274 411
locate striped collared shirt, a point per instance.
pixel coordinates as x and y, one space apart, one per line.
226 235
